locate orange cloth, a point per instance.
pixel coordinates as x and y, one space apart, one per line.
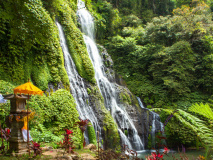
30 116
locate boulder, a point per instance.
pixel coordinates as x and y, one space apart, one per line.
91 147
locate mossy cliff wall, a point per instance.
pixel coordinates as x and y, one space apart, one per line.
30 45
30 49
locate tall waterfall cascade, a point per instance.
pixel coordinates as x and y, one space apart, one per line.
156 124
107 88
78 89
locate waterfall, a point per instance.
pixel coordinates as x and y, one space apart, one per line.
157 125
107 88
140 102
153 130
78 89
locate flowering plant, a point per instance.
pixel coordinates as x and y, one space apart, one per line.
157 155
83 125
36 148
67 142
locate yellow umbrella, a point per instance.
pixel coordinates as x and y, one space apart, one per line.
28 88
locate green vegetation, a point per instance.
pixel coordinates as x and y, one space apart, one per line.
202 110
91 134
5 88
54 114
125 97
162 48
32 49
168 61
30 45
112 138
185 128
66 14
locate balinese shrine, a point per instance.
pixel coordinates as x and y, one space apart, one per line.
15 123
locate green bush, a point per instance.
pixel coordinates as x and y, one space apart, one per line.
91 133
185 128
54 114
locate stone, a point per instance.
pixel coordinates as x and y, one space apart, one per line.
46 148
16 142
90 147
67 157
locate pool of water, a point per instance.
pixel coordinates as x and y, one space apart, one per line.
190 154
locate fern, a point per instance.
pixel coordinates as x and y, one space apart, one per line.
202 109
197 125
192 122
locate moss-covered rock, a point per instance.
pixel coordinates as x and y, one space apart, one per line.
110 135
112 138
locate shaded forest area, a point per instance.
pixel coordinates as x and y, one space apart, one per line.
165 59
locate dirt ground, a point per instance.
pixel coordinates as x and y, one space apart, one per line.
58 154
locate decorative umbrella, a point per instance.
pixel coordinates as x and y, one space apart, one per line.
28 88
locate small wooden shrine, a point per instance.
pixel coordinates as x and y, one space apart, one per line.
17 112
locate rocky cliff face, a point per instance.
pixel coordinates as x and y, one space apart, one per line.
141 117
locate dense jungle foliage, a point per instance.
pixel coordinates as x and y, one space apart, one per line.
163 49
166 61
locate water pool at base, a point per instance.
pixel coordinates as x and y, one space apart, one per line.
190 154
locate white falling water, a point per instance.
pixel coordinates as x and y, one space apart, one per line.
85 18
157 126
77 86
124 139
107 88
140 102
153 130
155 121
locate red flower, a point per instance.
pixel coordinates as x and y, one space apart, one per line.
166 150
8 130
157 155
36 145
68 132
